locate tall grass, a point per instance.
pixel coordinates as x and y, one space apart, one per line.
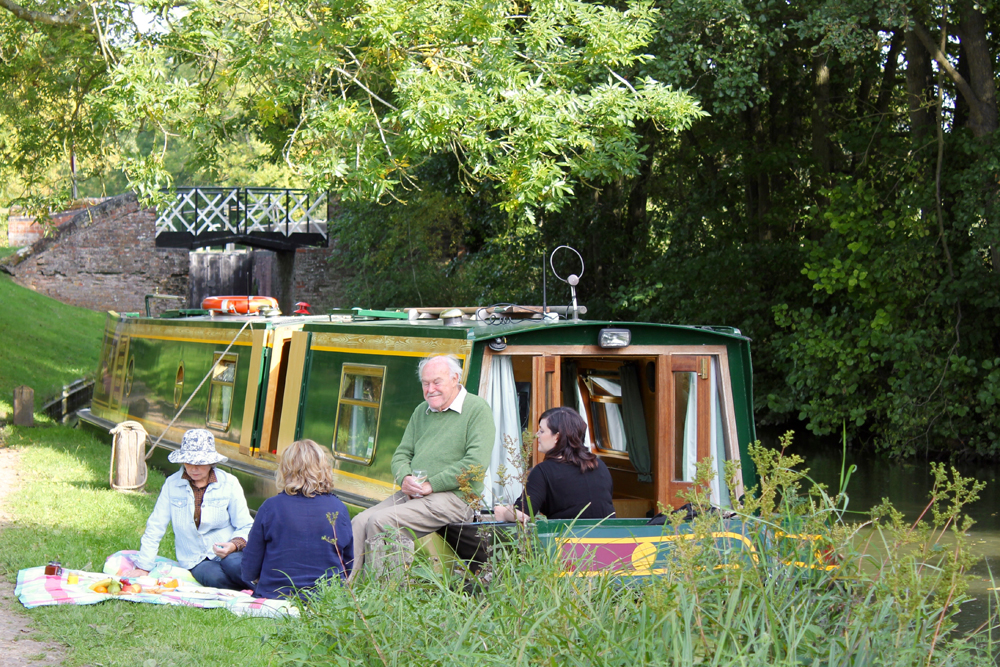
892 598
45 343
891 605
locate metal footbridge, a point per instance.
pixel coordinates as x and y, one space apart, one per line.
267 218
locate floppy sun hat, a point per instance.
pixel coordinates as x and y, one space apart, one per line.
198 449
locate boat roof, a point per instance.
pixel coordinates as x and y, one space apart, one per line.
485 330
475 323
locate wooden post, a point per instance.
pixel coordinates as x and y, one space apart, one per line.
24 406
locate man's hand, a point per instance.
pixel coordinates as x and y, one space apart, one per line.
224 549
414 490
135 573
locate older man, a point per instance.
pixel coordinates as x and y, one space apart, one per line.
448 434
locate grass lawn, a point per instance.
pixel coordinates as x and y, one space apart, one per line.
45 343
67 511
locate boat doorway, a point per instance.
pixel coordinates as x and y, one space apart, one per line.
651 414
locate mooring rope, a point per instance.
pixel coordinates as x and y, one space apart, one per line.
200 384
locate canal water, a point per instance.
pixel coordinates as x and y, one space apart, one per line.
907 484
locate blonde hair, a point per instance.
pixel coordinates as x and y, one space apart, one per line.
305 469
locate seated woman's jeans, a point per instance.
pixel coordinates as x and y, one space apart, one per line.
223 573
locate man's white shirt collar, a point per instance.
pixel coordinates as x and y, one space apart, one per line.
456 405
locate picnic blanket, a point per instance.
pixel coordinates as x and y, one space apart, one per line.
36 589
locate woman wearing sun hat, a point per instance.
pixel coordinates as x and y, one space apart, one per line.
209 514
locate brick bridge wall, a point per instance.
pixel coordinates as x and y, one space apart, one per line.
105 258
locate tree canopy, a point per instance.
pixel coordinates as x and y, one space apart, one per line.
354 96
822 174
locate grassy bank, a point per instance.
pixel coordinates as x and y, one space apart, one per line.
45 343
67 511
892 605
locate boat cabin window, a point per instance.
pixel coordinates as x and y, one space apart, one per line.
220 393
129 376
602 409
121 356
179 386
358 406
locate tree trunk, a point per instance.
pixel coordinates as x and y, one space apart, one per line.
636 220
919 87
962 109
749 182
820 115
888 84
980 62
979 90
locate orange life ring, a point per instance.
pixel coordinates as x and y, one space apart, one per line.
238 305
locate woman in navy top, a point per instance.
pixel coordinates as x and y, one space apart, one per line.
295 541
571 483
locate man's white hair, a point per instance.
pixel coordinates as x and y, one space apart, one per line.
454 365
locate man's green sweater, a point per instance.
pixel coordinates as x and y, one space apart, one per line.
446 444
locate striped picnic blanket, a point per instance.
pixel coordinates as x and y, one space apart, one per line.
36 589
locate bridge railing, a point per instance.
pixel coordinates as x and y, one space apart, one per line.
244 211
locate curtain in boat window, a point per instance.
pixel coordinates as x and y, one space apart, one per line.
634 422
570 385
586 418
720 491
502 483
687 383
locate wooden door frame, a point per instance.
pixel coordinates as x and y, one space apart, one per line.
664 356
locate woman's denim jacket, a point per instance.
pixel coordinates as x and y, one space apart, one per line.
224 515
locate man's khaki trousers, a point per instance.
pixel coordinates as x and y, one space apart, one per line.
421 515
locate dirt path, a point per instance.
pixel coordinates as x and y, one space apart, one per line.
17 645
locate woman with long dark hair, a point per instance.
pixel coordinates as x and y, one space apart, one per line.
571 483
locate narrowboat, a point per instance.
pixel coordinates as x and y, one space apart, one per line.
657 398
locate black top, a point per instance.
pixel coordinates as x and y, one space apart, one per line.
560 491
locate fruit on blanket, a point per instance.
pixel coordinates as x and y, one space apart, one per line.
103 583
132 588
173 583
114 587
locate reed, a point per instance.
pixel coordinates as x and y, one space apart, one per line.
892 605
892 600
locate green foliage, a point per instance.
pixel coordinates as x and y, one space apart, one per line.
720 46
468 139
533 100
47 343
417 253
797 605
885 342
